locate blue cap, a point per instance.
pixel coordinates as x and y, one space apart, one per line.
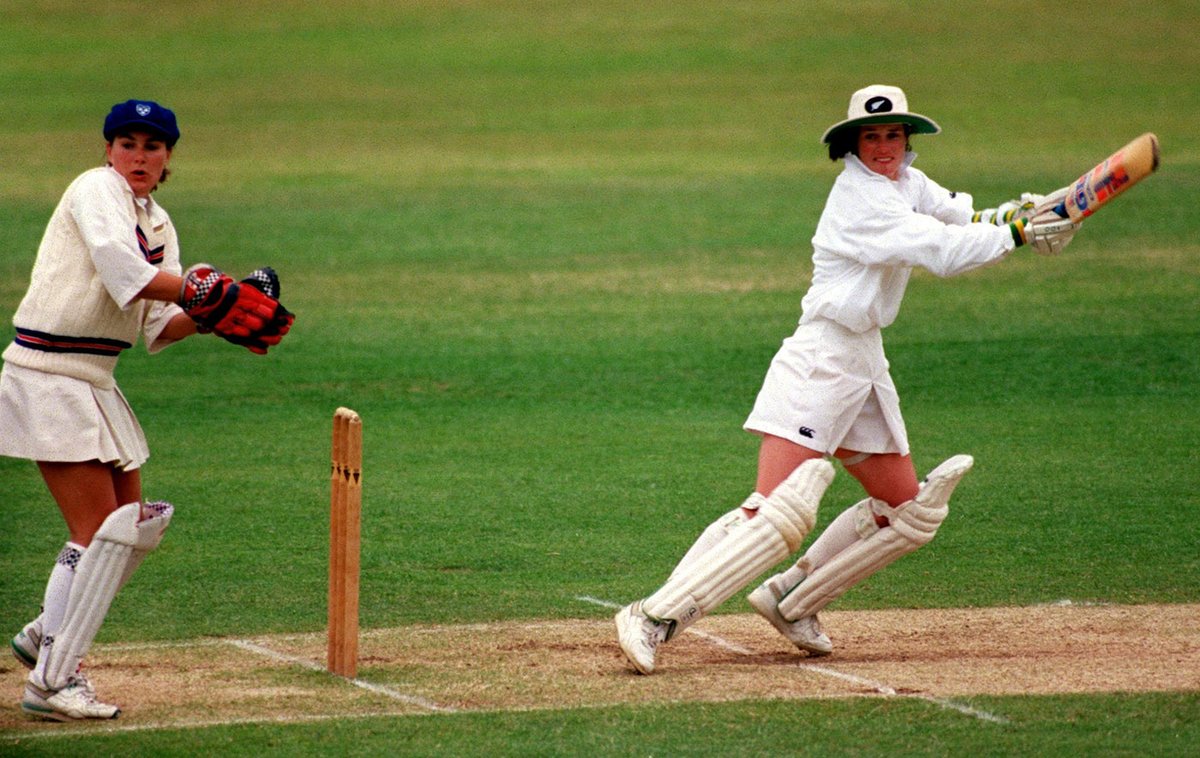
141 113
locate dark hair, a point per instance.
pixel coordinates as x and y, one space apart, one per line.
846 141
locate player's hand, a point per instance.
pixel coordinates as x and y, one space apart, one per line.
1006 212
240 312
1048 207
266 281
1046 237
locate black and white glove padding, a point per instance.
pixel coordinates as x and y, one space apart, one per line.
246 313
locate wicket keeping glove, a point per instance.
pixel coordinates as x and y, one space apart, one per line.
244 313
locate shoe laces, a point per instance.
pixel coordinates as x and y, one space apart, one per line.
80 679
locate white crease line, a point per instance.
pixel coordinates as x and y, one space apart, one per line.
360 683
165 645
966 710
267 652
720 642
599 602
879 687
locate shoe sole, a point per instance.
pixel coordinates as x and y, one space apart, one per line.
763 601
22 657
44 712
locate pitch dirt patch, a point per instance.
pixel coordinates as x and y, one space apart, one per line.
935 654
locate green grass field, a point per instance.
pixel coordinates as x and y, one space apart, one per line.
546 250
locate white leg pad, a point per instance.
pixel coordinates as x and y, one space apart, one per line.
105 566
715 533
913 524
150 534
784 519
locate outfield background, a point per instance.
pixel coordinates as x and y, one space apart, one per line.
547 249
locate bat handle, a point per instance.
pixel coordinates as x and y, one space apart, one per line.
1061 209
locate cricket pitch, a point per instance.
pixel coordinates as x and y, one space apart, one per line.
943 655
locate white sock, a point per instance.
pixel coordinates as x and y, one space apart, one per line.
838 536
58 592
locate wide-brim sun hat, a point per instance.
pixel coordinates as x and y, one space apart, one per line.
881 104
145 114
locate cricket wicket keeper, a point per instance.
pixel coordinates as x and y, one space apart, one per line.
107 271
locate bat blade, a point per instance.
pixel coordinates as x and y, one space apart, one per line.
1112 176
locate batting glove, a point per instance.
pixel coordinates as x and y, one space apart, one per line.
1007 212
1046 237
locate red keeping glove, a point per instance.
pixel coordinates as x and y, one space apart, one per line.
239 312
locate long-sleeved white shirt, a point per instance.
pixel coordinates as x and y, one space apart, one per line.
872 233
102 246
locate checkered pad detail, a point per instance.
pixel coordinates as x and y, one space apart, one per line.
69 557
265 280
159 507
200 287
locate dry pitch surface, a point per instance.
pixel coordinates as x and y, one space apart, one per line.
942 656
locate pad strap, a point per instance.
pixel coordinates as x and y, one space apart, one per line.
865 512
854 460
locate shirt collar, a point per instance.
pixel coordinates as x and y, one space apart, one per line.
153 210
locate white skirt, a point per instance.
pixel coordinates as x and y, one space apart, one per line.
50 417
828 388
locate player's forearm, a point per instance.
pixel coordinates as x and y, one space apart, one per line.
179 327
164 286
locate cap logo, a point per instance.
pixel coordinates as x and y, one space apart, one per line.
878 105
142 109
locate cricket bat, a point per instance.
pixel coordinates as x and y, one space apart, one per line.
1112 176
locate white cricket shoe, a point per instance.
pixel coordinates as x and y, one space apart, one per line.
805 634
27 642
639 636
75 701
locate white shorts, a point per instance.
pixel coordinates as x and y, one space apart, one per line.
50 417
828 388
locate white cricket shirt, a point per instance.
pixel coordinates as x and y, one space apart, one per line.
874 231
